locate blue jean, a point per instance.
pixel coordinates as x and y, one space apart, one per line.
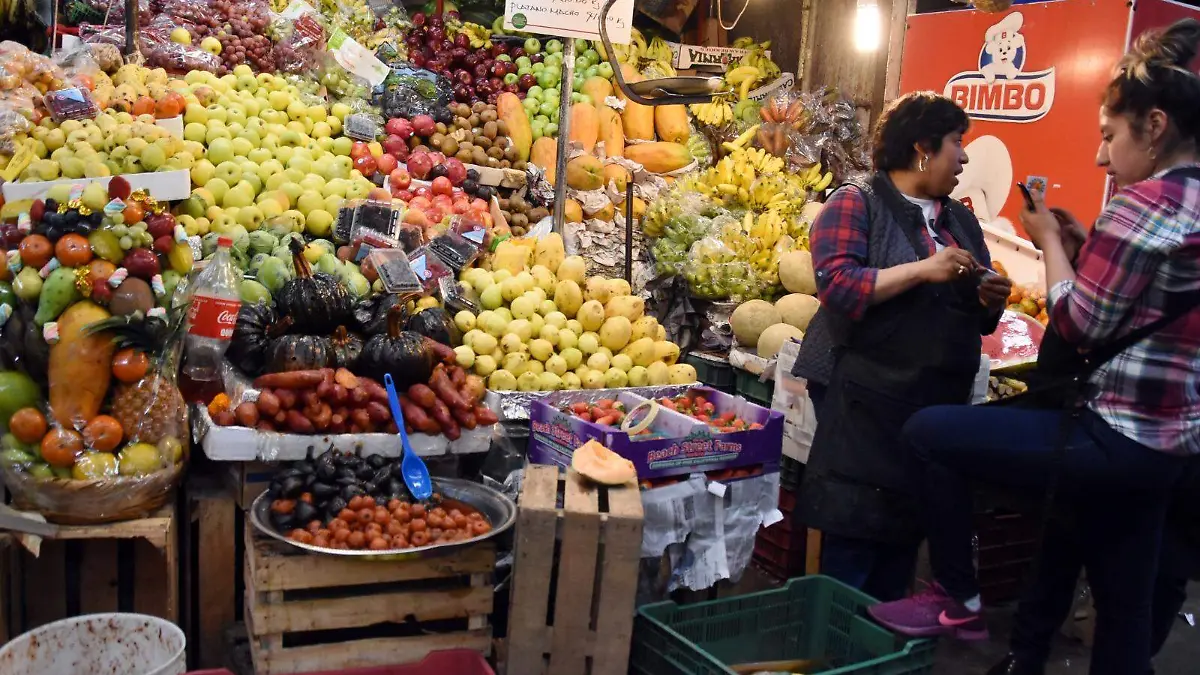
1117 488
882 570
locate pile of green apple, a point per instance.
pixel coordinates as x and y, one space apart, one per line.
273 156
540 77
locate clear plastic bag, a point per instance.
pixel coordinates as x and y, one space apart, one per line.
299 42
12 124
713 271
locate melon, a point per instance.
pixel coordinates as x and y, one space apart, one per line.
796 273
773 338
751 318
601 465
797 309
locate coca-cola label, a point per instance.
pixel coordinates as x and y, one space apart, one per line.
213 317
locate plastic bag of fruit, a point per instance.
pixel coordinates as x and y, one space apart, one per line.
299 42
108 440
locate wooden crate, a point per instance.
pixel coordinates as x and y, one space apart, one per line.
590 586
210 567
307 613
132 566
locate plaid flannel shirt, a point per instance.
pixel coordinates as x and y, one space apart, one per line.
839 245
1144 249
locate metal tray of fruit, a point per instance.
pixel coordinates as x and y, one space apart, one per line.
500 512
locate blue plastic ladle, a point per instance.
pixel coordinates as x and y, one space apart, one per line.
416 474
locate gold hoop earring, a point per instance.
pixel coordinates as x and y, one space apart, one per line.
922 164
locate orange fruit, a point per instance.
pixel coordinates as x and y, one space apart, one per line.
133 213
36 251
103 433
99 270
28 425
73 250
130 365
143 106
60 447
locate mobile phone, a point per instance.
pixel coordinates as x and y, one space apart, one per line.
1028 197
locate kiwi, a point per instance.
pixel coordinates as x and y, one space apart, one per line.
483 142
505 164
437 139
462 110
449 146
478 156
490 129
519 220
464 155
479 107
475 120
502 142
519 165
495 153
488 115
502 128
509 153
504 204
493 162
414 141
461 123
537 214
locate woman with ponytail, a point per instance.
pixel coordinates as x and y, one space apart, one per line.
1127 299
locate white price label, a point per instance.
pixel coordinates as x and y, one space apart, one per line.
569 18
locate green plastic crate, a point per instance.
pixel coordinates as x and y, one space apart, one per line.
713 371
752 389
812 617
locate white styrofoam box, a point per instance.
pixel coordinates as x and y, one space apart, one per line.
164 186
1019 256
173 125
242 444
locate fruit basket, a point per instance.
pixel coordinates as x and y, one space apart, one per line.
90 502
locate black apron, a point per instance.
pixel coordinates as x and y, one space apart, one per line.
918 349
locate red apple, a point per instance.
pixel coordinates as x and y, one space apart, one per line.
366 165
386 163
141 263
456 171
479 204
403 195
423 125
379 195
399 178
423 191
442 187
419 202
359 149
160 225
164 244
420 164
416 217
394 145
400 127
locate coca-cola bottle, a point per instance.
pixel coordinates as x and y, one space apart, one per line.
212 314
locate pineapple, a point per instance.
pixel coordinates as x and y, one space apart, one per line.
151 409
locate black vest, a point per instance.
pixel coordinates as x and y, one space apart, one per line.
917 349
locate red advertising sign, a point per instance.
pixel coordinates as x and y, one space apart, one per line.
1030 79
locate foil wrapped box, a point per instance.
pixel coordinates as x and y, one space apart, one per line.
677 444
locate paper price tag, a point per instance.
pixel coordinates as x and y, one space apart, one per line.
361 126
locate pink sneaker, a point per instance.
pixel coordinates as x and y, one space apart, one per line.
918 615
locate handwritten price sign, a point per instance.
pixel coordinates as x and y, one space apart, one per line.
569 18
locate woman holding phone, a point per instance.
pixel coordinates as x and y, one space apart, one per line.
1137 273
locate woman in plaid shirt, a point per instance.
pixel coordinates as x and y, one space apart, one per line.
1140 262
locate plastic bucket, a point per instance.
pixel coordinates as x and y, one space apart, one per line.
98 644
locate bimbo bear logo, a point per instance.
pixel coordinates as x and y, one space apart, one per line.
1000 90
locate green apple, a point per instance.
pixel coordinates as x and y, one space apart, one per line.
275 181
229 172
313 183
250 177
220 150
279 100
283 153
318 222
260 156
269 168
342 145
308 202
218 188
250 217
292 190
241 146
296 110
270 208
239 196
202 172
333 203
340 110
321 130
294 175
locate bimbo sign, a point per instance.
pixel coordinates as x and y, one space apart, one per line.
1000 90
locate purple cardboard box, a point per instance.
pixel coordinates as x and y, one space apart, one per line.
681 446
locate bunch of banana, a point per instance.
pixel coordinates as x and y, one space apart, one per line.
715 113
631 53
756 56
814 180
767 229
480 36
743 79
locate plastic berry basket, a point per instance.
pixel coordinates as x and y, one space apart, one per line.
815 618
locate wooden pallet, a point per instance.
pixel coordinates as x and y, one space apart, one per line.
131 566
210 568
307 613
581 560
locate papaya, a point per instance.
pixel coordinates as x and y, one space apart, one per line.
585 126
597 88
544 155
520 133
637 120
80 366
585 173
671 123
660 157
612 131
617 174
572 211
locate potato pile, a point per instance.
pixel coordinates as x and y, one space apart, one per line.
477 136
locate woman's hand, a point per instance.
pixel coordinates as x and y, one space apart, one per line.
1041 224
994 290
947 264
1072 233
